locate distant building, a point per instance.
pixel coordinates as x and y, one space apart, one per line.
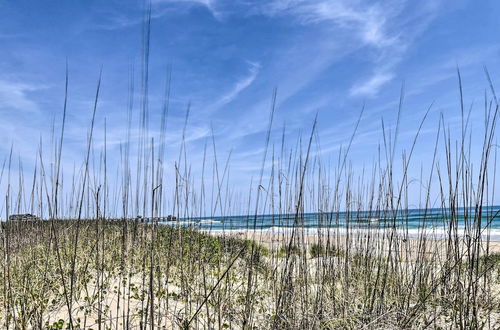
170 218
23 217
140 218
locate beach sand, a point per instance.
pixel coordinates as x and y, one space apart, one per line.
356 242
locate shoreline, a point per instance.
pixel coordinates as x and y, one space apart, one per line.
356 241
412 234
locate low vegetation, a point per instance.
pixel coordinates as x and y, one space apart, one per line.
90 265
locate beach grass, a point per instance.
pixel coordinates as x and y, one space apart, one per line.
182 278
92 264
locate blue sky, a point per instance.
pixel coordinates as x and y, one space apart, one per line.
329 57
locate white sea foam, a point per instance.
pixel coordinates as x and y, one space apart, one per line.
184 223
429 233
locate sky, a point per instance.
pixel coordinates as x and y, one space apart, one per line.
330 58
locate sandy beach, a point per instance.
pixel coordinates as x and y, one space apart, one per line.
358 243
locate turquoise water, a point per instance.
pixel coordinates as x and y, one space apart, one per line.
410 222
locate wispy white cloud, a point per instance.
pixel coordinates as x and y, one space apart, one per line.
239 86
371 86
16 96
367 20
118 19
209 4
388 28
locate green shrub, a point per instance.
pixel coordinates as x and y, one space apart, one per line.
317 250
289 250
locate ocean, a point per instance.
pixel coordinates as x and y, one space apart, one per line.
434 223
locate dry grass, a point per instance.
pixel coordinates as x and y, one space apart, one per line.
90 266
